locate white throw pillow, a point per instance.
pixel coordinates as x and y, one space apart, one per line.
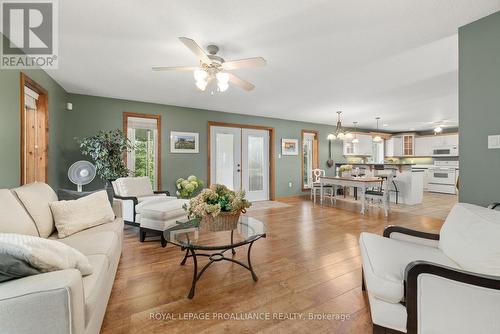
36 198
13 216
134 186
74 216
43 254
470 236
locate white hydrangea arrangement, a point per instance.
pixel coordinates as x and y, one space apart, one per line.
187 187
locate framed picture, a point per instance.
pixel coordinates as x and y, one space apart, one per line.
289 146
184 142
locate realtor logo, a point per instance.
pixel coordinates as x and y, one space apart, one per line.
29 34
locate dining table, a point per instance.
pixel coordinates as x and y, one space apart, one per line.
360 182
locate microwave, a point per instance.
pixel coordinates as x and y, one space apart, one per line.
445 151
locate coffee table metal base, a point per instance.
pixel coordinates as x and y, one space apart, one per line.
215 257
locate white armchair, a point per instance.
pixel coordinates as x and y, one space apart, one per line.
131 191
436 283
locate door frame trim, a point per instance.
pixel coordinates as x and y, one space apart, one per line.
32 84
272 183
126 115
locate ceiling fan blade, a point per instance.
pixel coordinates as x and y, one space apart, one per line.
196 49
175 68
244 63
240 82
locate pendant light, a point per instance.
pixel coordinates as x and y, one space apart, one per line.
355 140
339 132
377 138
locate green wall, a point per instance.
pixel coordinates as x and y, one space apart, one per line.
92 113
479 110
10 120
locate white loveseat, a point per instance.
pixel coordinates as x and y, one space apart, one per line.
60 301
436 283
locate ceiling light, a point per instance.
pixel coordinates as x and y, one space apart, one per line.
201 84
222 77
331 136
349 135
223 86
355 140
200 74
339 132
385 124
438 129
377 138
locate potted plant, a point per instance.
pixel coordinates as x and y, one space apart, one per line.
106 148
345 170
186 188
218 208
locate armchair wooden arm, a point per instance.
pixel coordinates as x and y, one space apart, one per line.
166 192
414 233
417 268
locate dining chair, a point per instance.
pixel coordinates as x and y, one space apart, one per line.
382 195
316 186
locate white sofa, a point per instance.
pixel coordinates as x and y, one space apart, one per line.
61 301
436 283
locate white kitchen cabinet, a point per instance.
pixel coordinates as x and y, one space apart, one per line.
363 147
389 147
408 145
423 146
398 146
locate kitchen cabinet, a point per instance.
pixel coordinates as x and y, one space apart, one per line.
394 147
445 140
409 145
363 147
423 146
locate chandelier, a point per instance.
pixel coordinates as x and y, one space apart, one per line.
339 133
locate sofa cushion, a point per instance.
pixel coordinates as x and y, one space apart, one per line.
471 237
134 186
385 260
36 198
98 243
14 218
115 226
74 216
43 254
94 286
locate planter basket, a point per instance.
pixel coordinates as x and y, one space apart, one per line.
225 221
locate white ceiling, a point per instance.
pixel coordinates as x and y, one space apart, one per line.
397 59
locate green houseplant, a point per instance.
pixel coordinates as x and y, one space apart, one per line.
106 148
218 208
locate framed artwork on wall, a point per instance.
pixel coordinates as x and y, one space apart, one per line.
184 142
289 146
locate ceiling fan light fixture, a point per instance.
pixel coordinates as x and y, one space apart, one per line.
438 129
223 86
222 77
200 74
201 84
355 141
377 139
349 135
330 136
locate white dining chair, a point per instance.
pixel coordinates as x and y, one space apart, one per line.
382 195
316 186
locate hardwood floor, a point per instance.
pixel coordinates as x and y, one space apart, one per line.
308 264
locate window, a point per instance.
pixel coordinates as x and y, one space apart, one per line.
143 131
309 157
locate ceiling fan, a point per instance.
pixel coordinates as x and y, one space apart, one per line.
214 68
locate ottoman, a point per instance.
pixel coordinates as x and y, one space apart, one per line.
157 215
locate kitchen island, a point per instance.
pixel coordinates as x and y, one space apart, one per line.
408 182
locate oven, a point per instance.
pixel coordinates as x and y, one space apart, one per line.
442 180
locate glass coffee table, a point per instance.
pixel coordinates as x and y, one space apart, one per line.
214 245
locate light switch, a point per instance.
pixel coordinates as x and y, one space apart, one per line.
493 142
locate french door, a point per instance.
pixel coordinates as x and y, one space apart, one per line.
240 160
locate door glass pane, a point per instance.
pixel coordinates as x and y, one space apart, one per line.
308 160
255 163
224 161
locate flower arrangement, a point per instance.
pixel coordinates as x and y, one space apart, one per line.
186 188
216 200
345 169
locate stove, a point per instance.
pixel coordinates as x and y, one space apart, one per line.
443 177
